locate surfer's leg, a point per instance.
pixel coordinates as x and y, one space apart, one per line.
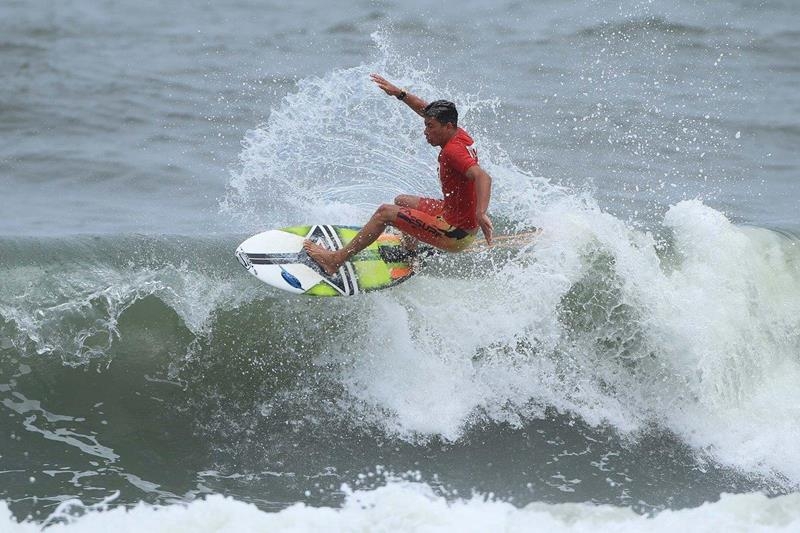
433 230
430 206
331 260
407 200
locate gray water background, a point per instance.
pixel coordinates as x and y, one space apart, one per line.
127 117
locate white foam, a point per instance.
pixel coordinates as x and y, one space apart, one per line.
411 507
729 330
713 336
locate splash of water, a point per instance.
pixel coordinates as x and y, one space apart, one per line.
691 332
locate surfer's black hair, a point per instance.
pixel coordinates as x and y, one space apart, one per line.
443 111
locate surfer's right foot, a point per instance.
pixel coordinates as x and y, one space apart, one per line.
323 257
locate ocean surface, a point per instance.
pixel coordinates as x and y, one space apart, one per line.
634 368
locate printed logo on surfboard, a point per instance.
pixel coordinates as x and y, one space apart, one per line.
289 278
244 260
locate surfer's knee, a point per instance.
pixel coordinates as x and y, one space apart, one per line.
406 200
387 213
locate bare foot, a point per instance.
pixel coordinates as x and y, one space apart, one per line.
322 256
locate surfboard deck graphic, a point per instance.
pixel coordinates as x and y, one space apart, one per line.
277 258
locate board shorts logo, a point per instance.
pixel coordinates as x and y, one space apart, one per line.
406 216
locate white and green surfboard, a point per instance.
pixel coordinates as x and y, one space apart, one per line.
277 258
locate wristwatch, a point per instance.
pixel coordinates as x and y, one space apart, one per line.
402 95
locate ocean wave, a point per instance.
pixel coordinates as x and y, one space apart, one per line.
632 26
691 331
65 297
406 506
23 47
694 334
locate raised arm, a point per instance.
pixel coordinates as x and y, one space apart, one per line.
416 103
483 190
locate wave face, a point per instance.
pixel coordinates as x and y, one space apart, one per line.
694 334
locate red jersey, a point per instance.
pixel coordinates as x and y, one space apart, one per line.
460 198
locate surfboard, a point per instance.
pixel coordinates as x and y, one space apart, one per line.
277 258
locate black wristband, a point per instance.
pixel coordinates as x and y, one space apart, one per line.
402 95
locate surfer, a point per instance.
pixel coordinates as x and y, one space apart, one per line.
450 223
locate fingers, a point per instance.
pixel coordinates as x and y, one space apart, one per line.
487 227
377 78
384 84
380 80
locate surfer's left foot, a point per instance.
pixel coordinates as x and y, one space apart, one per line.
323 257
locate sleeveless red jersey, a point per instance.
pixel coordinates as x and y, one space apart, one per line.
460 198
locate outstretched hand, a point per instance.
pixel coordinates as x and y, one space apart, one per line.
385 85
486 227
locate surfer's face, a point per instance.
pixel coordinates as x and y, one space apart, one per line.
436 133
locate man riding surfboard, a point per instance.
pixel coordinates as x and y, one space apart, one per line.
450 223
